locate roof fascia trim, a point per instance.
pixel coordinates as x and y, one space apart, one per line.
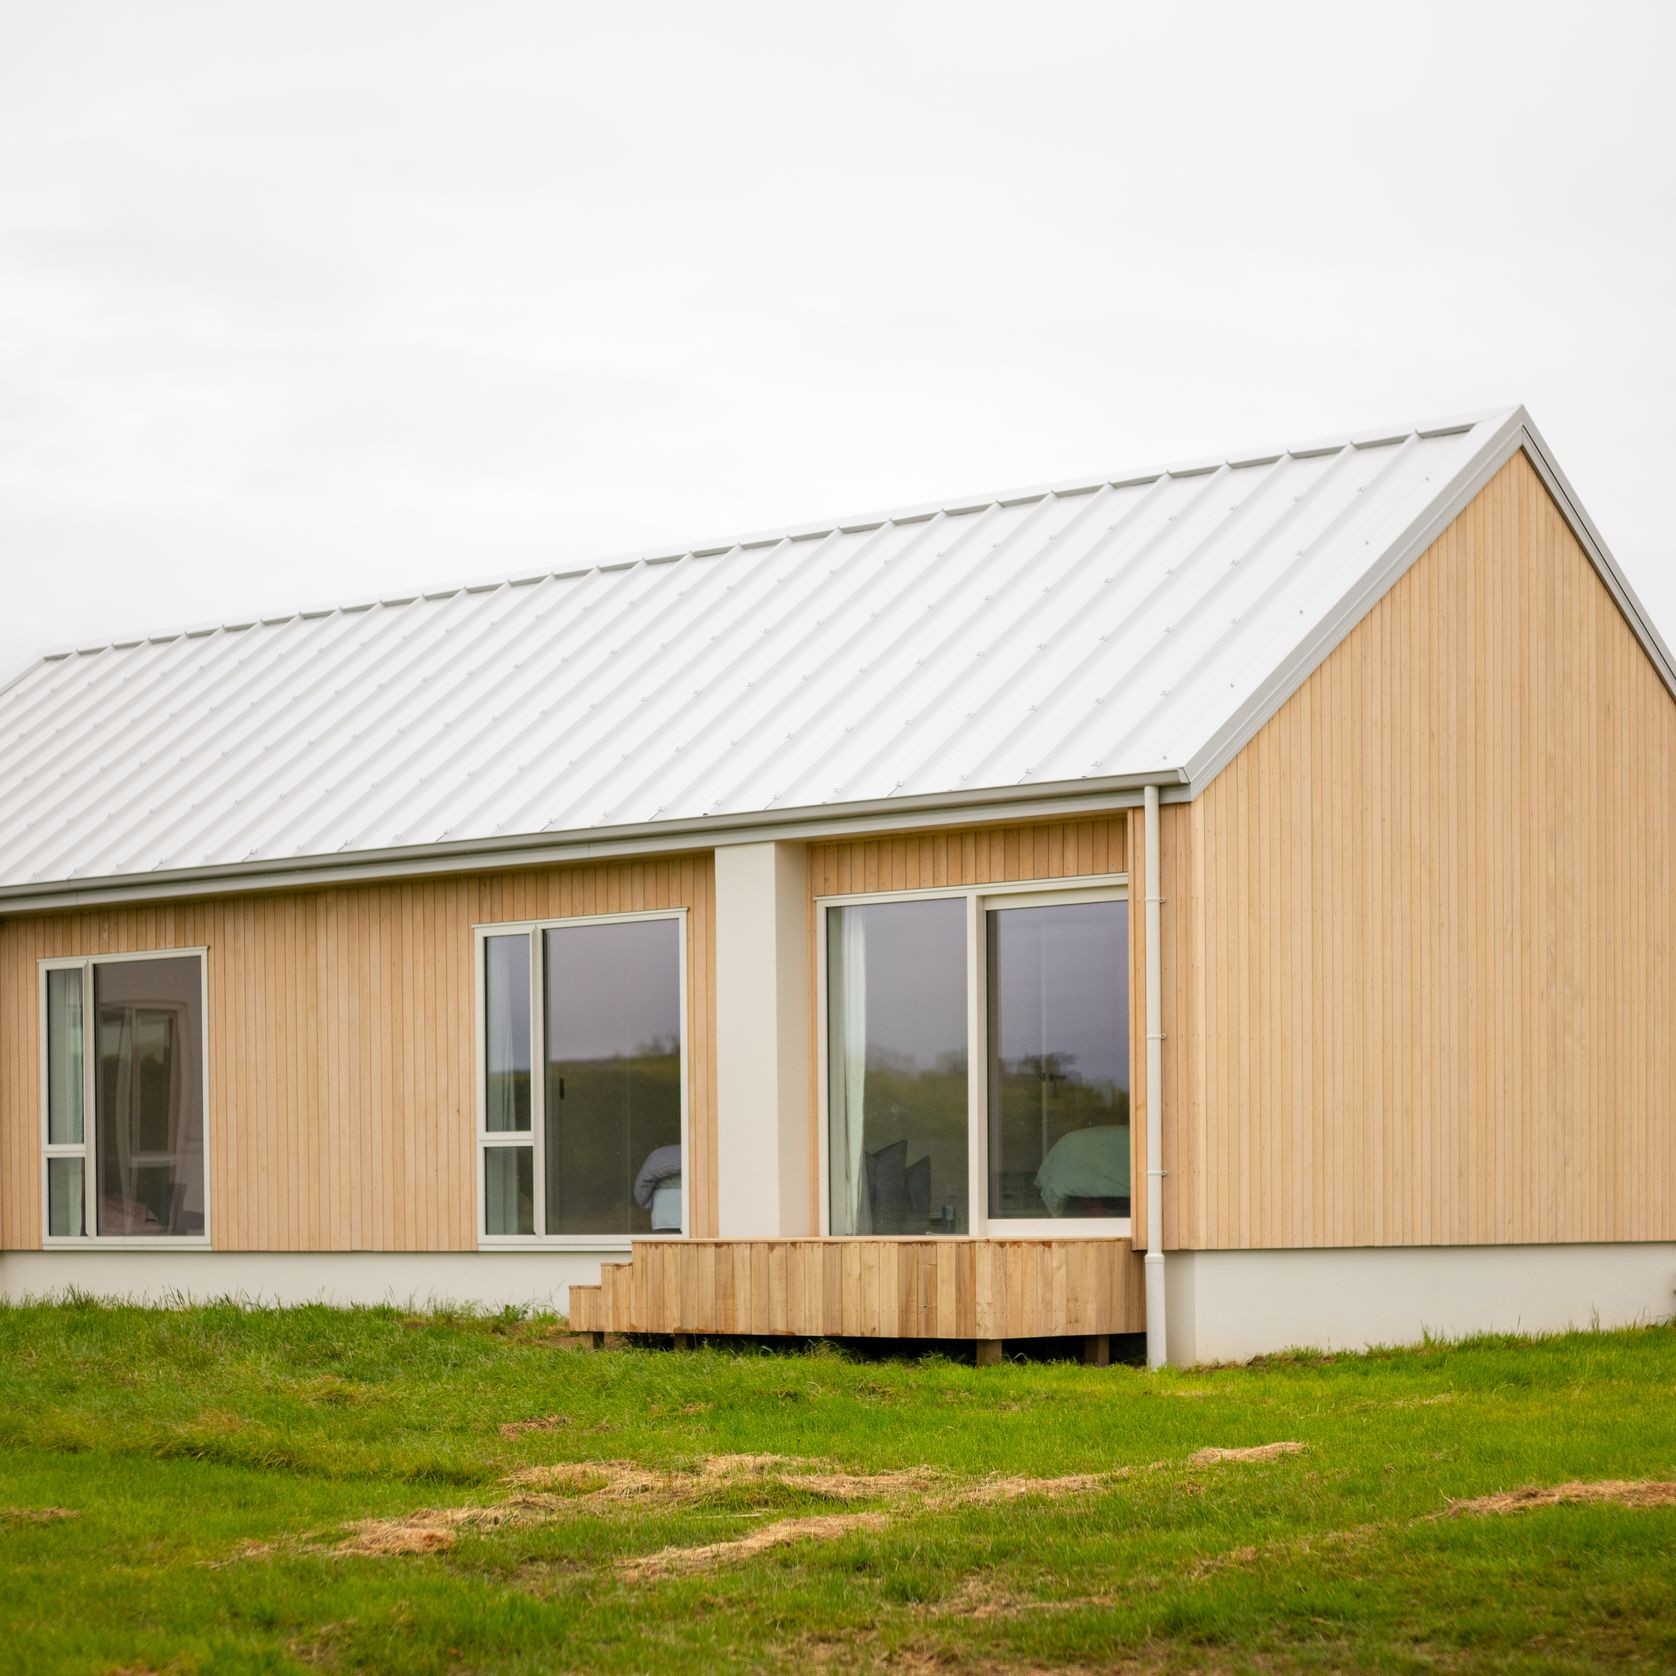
1515 432
1591 541
1062 800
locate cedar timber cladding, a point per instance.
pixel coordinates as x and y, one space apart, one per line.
342 1092
1420 934
983 855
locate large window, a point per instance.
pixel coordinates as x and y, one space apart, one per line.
584 1089
896 1064
124 1119
1058 1027
977 1062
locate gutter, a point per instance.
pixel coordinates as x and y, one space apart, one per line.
1058 801
1157 1339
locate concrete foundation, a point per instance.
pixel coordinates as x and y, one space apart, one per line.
1227 1306
420 1279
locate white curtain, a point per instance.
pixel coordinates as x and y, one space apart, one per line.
851 999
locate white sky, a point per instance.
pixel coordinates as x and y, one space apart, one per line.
308 301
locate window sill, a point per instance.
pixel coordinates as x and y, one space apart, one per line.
125 1242
567 1242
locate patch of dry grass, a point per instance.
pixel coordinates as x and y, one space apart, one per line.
514 1429
1624 1492
1257 1452
708 1556
543 1494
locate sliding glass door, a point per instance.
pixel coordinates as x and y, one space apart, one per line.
1058 1029
977 1062
897 1058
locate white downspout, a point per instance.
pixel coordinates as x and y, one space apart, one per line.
1157 1344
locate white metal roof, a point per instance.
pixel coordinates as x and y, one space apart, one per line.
1090 634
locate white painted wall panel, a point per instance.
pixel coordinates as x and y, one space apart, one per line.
1228 1306
418 1279
762 1041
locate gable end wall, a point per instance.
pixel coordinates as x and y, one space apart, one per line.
1420 935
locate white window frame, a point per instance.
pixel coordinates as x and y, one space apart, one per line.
1026 893
536 1137
87 1148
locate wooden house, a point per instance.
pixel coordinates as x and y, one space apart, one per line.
1233 902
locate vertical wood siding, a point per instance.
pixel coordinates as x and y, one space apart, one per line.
342 1037
1420 936
869 1288
981 855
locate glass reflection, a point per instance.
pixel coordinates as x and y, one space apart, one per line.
613 1078
1059 1060
897 1065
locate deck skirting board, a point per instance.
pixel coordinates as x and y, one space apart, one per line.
869 1288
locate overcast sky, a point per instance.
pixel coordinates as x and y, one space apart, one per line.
301 302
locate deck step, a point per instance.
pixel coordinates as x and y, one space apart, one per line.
584 1309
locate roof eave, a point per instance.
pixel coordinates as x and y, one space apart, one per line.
1048 801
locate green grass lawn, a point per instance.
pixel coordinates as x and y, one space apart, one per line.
227 1490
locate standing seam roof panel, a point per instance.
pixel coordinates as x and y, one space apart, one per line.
1119 627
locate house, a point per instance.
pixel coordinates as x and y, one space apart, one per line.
1234 902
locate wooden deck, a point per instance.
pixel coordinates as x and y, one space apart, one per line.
986 1290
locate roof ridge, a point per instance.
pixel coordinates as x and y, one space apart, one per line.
665 553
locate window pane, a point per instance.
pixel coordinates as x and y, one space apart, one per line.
1059 1060
149 1104
506 1032
64 1057
508 1190
896 1004
66 1200
613 1089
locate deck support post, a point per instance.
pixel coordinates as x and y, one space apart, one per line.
1097 1350
681 1341
988 1352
